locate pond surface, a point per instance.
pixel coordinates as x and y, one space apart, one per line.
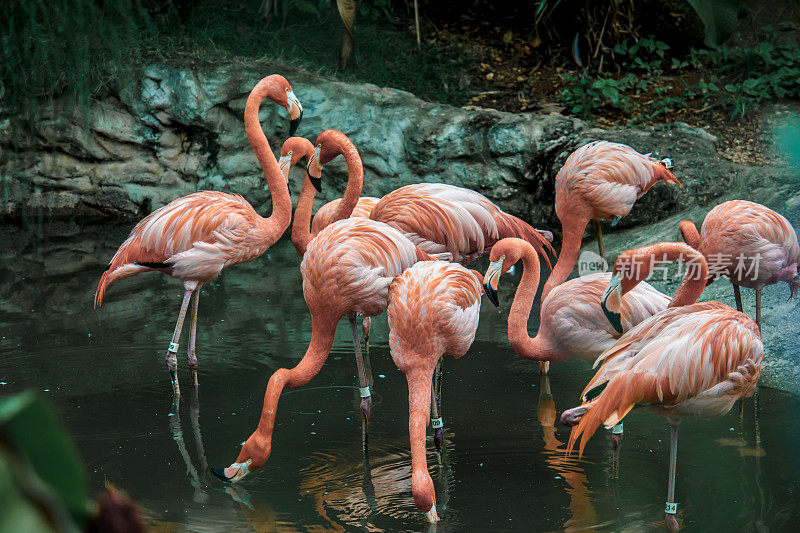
504 467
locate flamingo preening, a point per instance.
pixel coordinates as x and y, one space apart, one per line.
433 311
193 238
346 269
693 360
600 180
750 244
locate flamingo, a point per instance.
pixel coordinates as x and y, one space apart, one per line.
346 269
193 238
571 322
433 310
693 360
750 244
443 218
600 180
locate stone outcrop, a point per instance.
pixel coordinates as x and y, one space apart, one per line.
180 131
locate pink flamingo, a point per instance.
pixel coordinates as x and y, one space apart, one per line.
193 238
600 180
690 361
433 310
442 218
571 322
750 244
346 269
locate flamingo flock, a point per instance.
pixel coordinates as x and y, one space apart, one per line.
406 253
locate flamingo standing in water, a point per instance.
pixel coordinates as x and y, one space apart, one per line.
346 269
193 238
433 310
750 244
600 180
571 322
690 361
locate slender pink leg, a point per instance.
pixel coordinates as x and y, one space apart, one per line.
191 355
758 309
671 507
599 231
172 351
363 382
737 294
436 416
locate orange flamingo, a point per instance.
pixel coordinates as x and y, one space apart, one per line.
433 310
346 269
600 180
442 218
193 238
689 361
750 244
571 322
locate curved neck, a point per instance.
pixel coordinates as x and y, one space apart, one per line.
690 234
523 344
355 179
568 256
642 261
281 215
301 227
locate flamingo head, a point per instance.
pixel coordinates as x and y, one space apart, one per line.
249 460
280 92
611 302
293 150
690 234
424 495
503 256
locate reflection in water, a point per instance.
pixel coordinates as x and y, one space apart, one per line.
104 372
582 512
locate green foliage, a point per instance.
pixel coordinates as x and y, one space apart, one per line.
41 477
584 96
70 47
643 55
719 18
741 78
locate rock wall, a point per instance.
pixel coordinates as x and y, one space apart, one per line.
180 130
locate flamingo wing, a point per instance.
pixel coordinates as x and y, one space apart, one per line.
439 217
696 360
325 214
607 176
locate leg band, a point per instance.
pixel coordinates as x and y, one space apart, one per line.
436 423
173 347
617 429
671 508
364 392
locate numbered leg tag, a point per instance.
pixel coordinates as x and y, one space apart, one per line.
173 347
617 429
436 423
671 508
364 392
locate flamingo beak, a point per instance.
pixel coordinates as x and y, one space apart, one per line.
667 163
234 473
314 170
491 278
285 162
614 285
295 111
431 516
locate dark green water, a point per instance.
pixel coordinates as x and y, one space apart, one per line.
504 467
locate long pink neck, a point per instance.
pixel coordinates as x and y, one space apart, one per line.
694 282
273 226
259 445
523 344
570 250
301 227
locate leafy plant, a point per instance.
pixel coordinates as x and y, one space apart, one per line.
719 18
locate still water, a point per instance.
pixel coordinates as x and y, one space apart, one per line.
504 467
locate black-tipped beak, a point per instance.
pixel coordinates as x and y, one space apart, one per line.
294 124
491 294
316 182
220 473
613 318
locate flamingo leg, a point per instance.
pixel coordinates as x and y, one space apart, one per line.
737 294
191 355
420 390
436 417
544 367
363 383
671 507
366 326
194 417
172 351
599 231
758 308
